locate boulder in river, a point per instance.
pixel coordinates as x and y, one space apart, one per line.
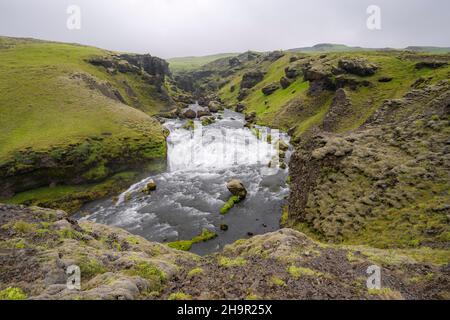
190 114
151 186
203 113
214 106
236 187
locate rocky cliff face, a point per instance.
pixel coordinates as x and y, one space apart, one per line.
385 184
38 245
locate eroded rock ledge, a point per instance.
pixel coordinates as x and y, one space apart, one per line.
38 245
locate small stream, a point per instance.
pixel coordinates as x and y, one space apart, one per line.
192 191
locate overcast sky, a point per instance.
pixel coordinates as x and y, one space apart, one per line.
170 28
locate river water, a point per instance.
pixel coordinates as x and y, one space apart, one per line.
192 191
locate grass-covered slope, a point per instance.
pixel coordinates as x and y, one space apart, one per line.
294 107
65 121
371 134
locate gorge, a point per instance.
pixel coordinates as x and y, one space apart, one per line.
119 164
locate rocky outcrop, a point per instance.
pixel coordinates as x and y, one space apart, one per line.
285 82
358 66
251 79
346 81
103 87
354 186
40 246
320 78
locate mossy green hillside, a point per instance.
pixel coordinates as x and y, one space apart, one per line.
52 124
293 107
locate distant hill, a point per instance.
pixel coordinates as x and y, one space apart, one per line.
332 47
191 63
428 49
329 47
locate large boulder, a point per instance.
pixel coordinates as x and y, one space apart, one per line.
190 114
237 189
214 106
251 79
358 66
203 113
271 88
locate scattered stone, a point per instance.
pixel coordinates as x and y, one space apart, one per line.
224 227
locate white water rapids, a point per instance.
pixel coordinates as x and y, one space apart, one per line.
191 192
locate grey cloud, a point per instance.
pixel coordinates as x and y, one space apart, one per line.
195 27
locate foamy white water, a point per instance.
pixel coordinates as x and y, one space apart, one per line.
192 191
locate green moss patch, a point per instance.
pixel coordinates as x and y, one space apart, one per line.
186 245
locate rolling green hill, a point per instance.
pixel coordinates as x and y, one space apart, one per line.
192 63
65 120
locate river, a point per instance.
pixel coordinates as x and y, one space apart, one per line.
191 192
